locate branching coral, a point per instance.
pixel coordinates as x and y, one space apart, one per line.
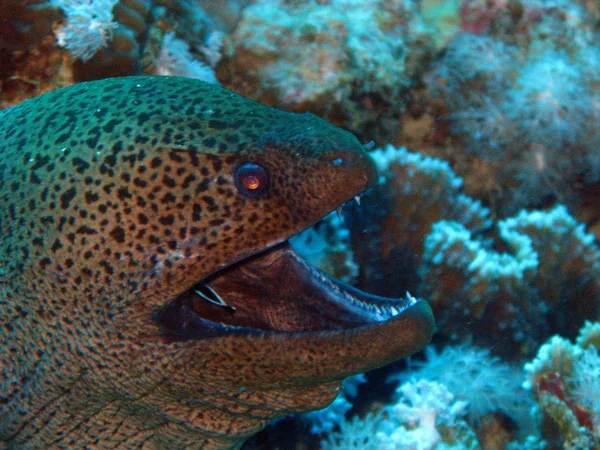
547 282
438 405
425 417
388 230
568 273
426 411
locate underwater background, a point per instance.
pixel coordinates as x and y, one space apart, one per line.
483 118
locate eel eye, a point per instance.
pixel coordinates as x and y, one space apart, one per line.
251 180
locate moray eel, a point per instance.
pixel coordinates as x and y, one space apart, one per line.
148 297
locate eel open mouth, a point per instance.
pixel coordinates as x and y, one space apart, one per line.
274 291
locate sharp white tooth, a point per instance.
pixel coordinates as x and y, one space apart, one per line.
411 298
395 311
339 212
357 199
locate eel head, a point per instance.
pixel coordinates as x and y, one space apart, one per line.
150 297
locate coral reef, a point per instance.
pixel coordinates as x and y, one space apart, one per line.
469 284
105 37
175 59
460 398
327 246
515 284
484 382
350 61
565 379
425 417
88 27
547 282
101 38
28 66
51 44
25 23
506 287
524 98
388 229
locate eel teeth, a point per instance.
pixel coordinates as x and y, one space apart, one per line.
211 296
357 199
382 312
339 212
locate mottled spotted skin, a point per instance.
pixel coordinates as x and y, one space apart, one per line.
118 195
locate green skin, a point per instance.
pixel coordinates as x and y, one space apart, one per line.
118 196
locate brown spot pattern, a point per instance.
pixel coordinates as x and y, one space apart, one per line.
117 196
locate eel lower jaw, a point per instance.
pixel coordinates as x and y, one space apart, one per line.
275 292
